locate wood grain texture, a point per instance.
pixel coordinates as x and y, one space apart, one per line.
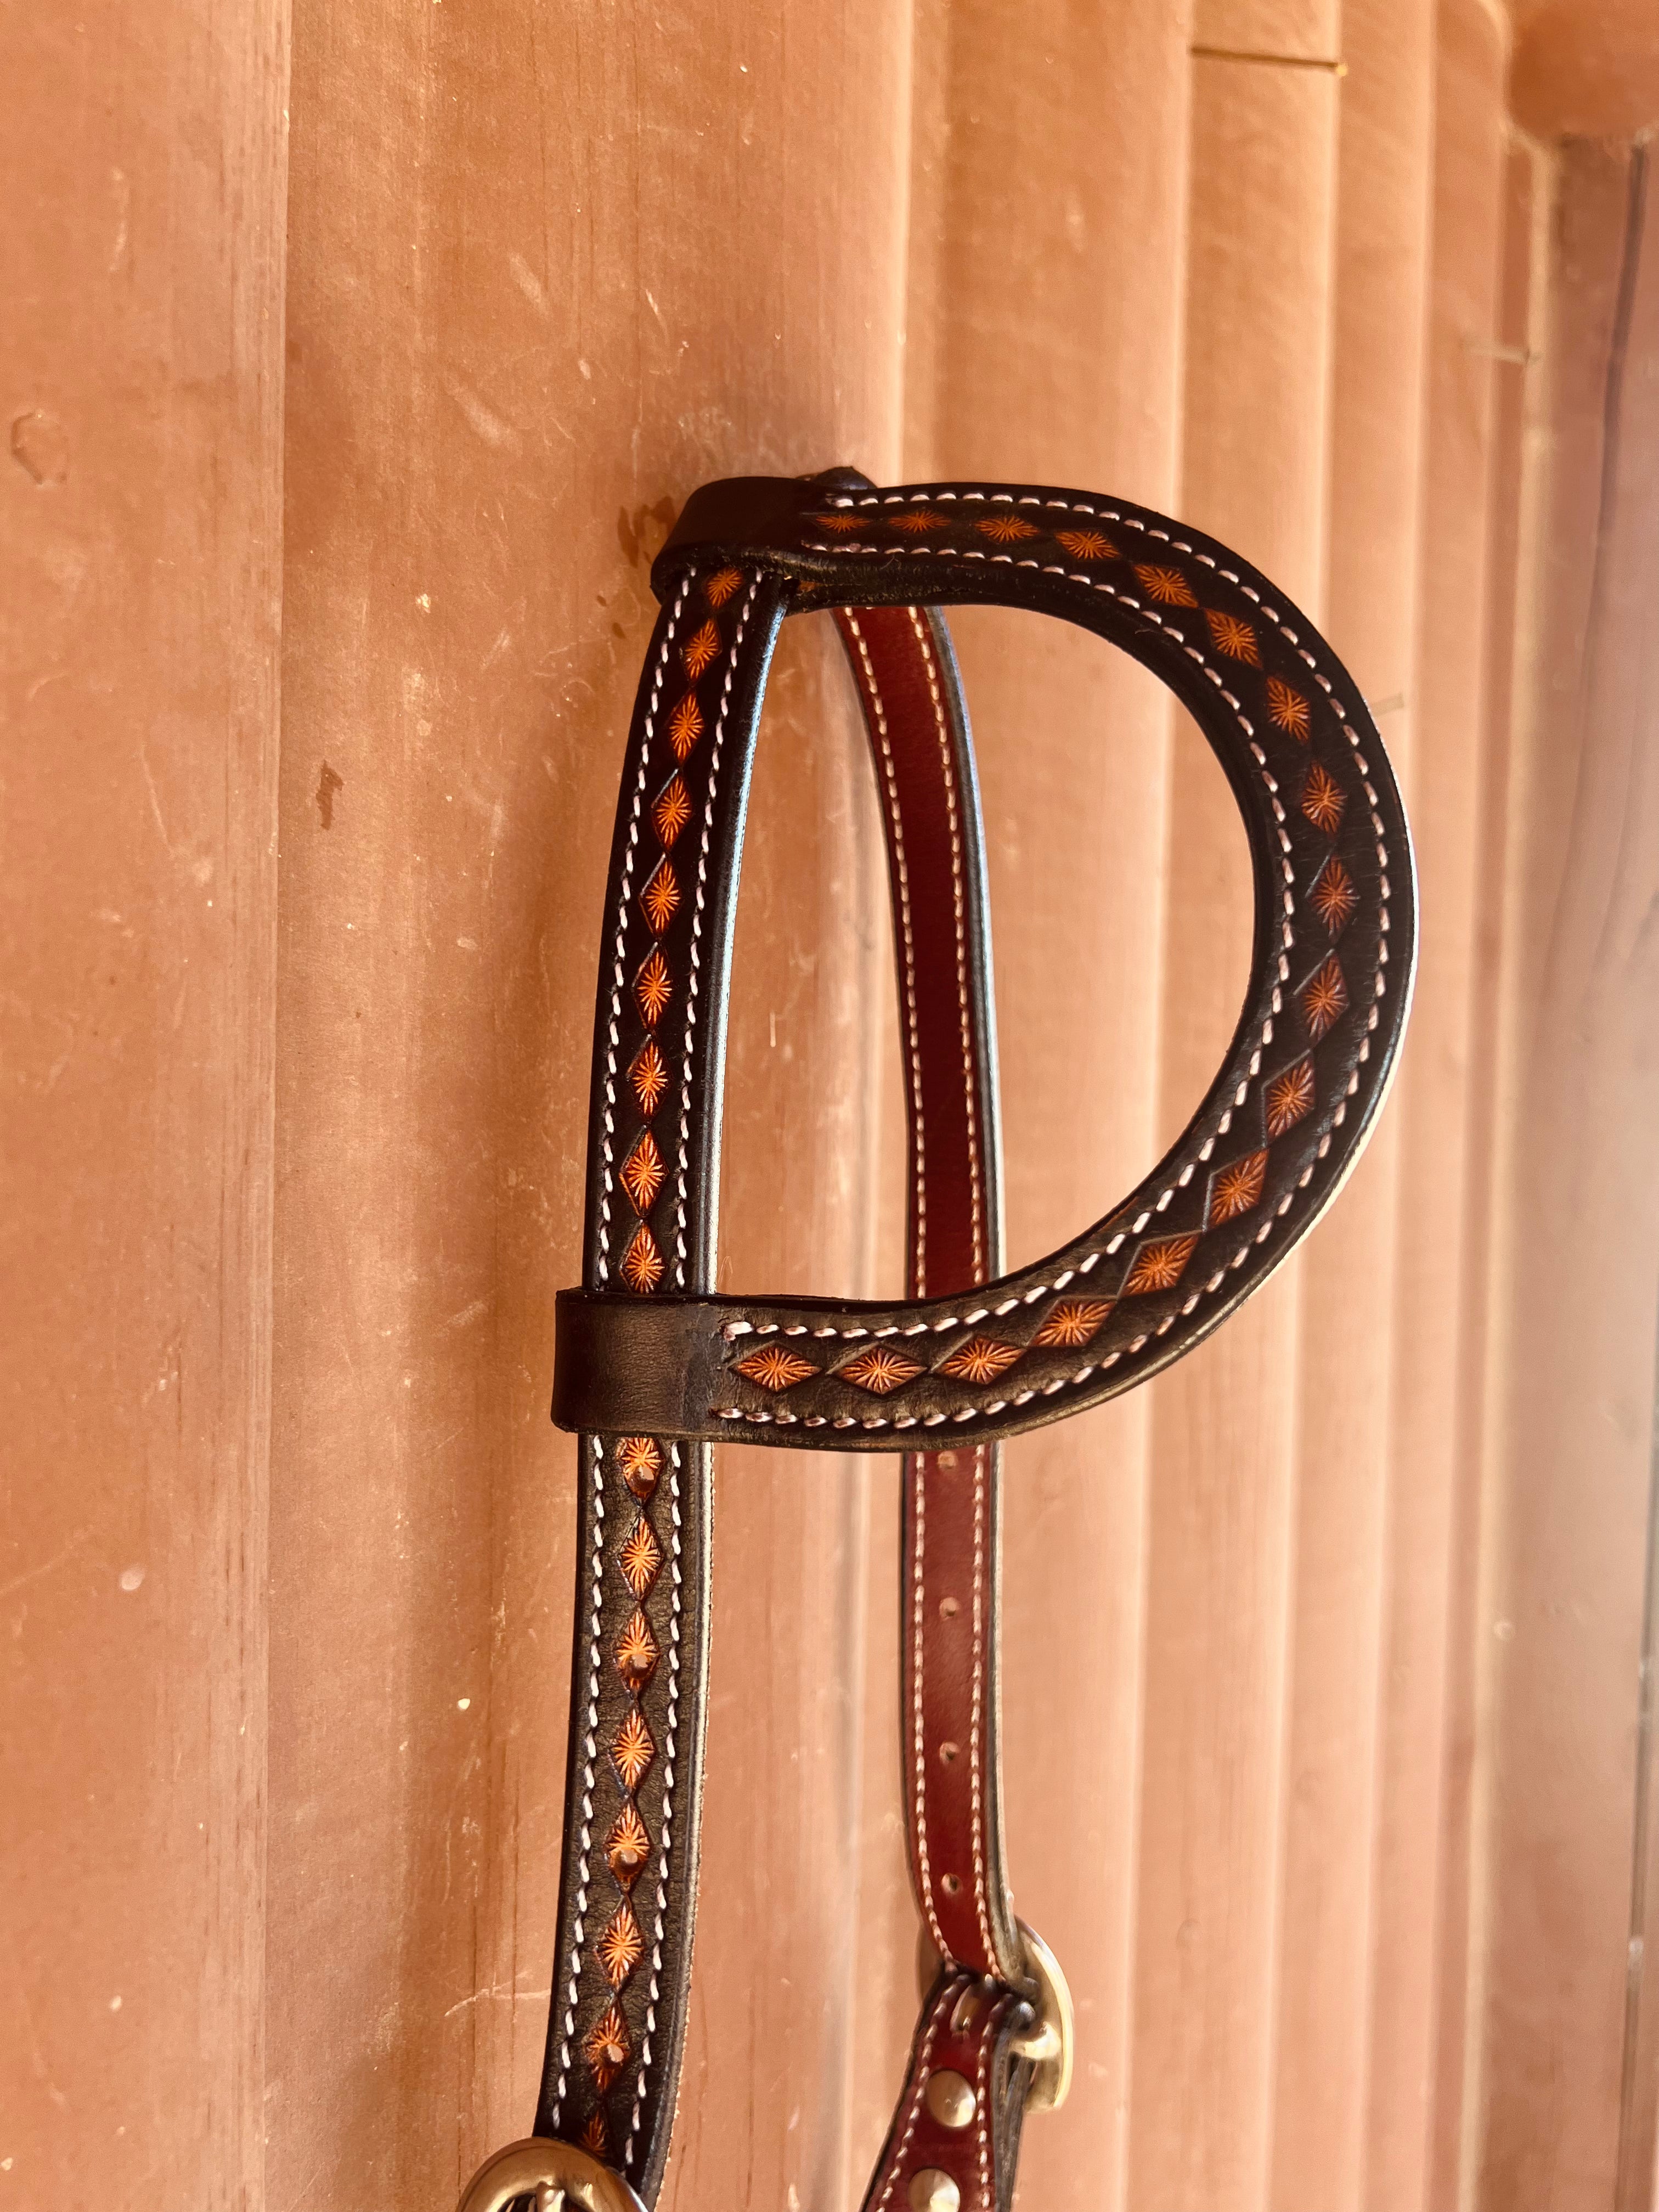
1431 1099
1519 406
1570 1465
1330 1980
1055 337
524 324
1223 1425
1321 1699
140 550
1585 68
1270 31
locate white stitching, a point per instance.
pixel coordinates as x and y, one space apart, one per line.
976 1795
966 1413
602 1265
918 2090
982 2101
981 1883
918 1562
590 1753
959 895
919 1741
667 1806
716 744
676 1539
602 1270
895 815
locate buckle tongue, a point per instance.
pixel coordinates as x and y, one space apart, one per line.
1050 2041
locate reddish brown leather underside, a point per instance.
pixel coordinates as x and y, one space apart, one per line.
948 1623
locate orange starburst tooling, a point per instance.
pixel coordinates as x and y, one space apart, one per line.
724 584
1087 545
1005 529
1334 898
1160 1266
1290 1097
661 898
653 988
1322 801
1288 709
1233 637
916 520
640 1560
1073 1321
637 1652
649 1077
775 1367
699 650
594 2140
620 1945
1324 997
1167 586
641 1263
685 726
639 1460
673 810
881 1370
981 1359
642 1174
632 1751
627 1847
1237 1189
605 2047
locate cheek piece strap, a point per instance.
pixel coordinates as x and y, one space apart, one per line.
653 1367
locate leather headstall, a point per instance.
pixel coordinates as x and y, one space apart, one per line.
653 1366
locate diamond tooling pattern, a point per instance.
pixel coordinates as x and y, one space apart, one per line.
881 1370
775 1367
605 2046
640 1461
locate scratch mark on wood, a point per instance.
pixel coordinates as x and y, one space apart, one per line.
327 784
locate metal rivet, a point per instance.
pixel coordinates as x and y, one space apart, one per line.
952 1885
950 1753
948 1608
933 2191
950 2099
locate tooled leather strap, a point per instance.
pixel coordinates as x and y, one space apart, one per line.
1307 1068
628 1889
654 1367
613 2043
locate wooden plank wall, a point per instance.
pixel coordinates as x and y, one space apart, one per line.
1561 2051
144 160
347 402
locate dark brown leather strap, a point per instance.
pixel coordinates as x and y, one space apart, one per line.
652 1366
601 2062
628 1891
1284 1118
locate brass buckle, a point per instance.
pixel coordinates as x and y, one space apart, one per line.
1049 2042
553 2173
